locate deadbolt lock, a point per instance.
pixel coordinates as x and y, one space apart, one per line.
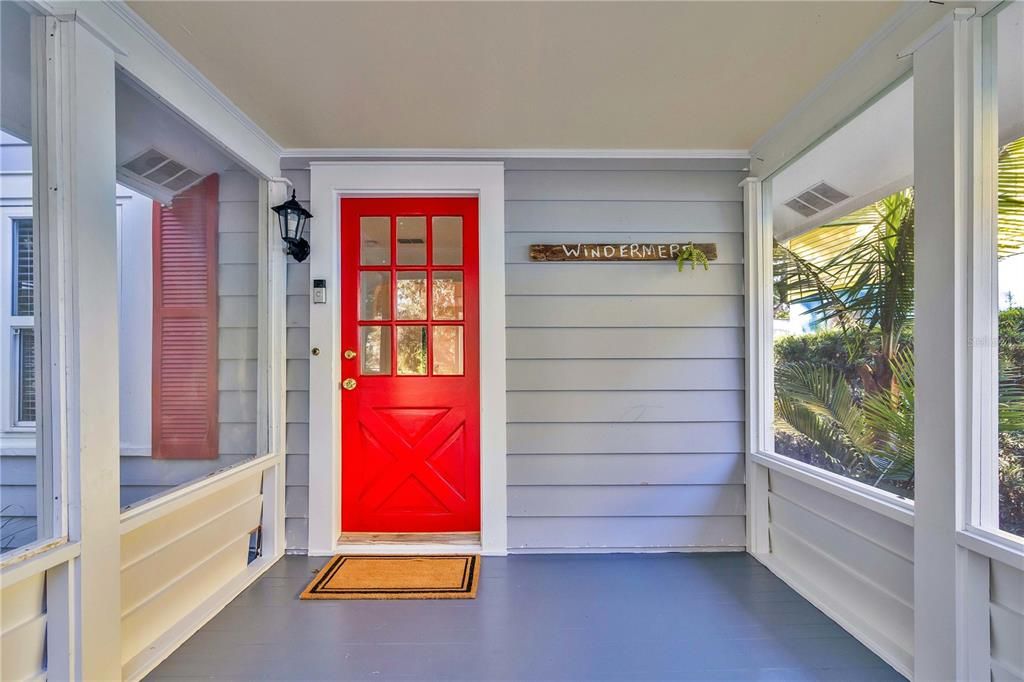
315 351
348 384
349 354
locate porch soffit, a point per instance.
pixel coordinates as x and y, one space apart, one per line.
505 75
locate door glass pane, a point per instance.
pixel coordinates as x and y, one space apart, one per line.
447 240
412 350
447 302
375 240
448 350
374 295
375 350
412 241
411 297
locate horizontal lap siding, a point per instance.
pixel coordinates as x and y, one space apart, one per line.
1006 587
625 380
172 564
857 562
297 387
23 629
238 321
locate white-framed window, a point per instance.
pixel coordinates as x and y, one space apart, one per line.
837 326
997 484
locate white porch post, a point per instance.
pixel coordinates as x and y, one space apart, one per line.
87 221
944 81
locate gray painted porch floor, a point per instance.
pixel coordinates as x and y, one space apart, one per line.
538 617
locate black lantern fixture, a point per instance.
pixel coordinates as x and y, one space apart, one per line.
293 218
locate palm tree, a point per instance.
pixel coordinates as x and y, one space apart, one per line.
866 287
865 428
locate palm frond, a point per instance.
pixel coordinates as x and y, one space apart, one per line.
1010 199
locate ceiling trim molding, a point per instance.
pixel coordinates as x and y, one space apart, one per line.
120 9
870 71
540 153
851 64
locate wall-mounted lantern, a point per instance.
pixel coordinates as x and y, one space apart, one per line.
293 218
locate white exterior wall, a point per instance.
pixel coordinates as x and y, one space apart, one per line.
135 315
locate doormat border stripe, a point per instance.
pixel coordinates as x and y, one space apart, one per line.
318 588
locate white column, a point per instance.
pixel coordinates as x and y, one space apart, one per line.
88 220
944 75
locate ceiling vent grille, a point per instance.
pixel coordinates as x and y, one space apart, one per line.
157 168
816 199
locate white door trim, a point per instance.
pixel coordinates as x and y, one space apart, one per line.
329 182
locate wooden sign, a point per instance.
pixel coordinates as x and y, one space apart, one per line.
614 252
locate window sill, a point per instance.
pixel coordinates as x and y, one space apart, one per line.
996 545
886 504
36 558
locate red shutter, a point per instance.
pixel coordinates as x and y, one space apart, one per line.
185 324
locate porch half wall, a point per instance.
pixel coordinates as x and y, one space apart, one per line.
625 380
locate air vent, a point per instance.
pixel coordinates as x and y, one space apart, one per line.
157 168
816 199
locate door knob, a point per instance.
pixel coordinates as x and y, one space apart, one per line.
348 384
349 354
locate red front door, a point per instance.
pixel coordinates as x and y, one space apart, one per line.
410 404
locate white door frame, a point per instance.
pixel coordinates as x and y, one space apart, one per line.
330 182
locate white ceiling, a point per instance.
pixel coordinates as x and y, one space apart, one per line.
872 155
516 75
869 158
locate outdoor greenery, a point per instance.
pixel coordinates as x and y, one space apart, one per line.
844 394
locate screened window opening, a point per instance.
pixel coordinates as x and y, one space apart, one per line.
188 269
843 292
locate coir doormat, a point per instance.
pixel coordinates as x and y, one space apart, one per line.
396 577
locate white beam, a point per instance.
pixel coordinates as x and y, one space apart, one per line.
151 59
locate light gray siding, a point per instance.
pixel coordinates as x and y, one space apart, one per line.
856 562
238 320
625 380
296 508
1006 586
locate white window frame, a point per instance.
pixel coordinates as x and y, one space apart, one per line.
10 425
981 497
761 370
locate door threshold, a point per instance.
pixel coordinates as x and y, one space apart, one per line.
409 543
